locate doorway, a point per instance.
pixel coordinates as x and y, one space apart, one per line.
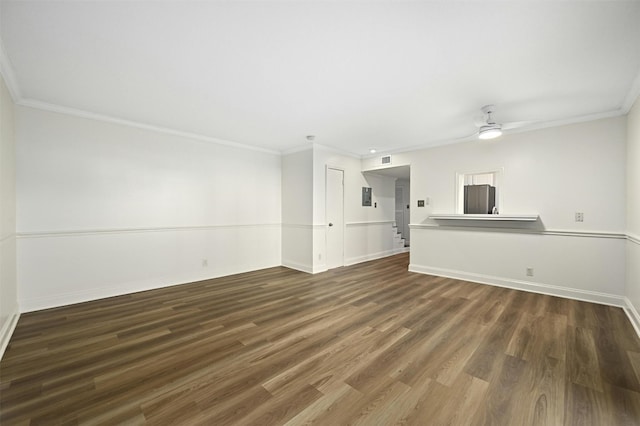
335 217
402 209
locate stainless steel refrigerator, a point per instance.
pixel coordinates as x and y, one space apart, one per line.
479 199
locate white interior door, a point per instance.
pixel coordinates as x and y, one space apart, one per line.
335 218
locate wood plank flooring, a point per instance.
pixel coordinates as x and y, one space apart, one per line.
370 344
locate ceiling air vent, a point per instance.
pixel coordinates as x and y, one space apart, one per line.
386 160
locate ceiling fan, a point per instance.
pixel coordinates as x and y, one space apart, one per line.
488 128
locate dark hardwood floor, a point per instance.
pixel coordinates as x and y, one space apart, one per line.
368 344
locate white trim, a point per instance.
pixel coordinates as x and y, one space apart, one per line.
487 217
86 232
304 225
30 103
297 266
320 268
297 226
7 72
632 314
88 295
309 269
571 120
373 256
8 329
633 238
474 137
552 232
552 290
7 237
371 222
585 234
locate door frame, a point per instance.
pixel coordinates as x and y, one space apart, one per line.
326 222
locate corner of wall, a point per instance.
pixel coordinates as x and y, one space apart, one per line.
9 308
7 330
632 269
632 314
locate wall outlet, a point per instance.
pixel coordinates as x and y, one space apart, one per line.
205 262
529 272
579 217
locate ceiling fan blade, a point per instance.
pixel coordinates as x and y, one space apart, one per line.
516 125
465 138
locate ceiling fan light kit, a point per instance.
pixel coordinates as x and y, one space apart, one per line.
491 129
489 132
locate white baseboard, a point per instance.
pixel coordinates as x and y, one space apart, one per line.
297 266
8 329
315 269
373 256
320 268
552 290
88 295
632 314
91 294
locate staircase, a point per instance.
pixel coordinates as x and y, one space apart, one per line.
398 241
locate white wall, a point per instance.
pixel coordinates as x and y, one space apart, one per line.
297 210
633 170
368 230
106 209
553 172
9 311
632 289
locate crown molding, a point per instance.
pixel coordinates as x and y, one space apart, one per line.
31 103
8 75
568 121
6 70
530 128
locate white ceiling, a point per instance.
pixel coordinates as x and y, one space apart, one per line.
357 75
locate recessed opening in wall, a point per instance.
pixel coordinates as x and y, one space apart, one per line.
478 192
